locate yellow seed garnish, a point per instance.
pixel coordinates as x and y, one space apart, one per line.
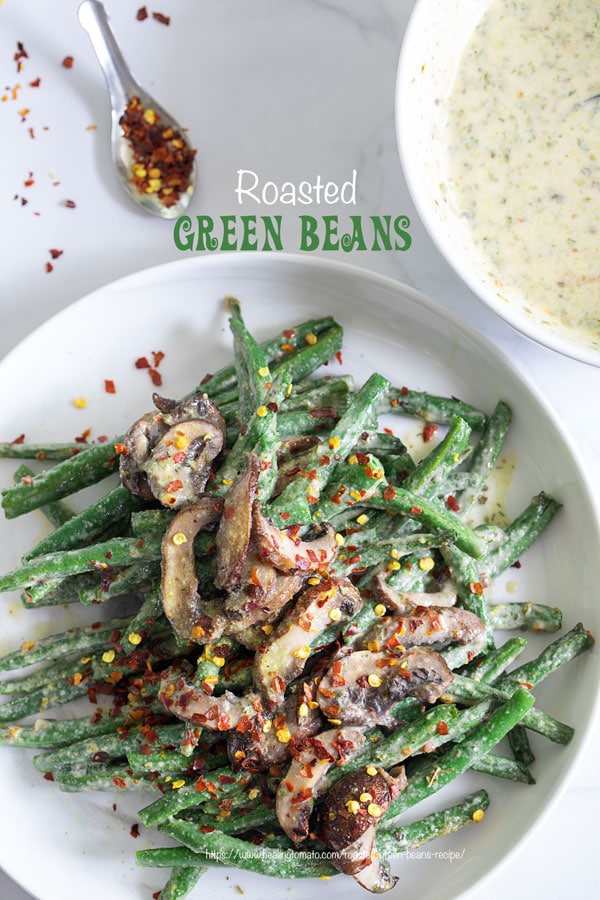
355 495
134 638
374 810
267 726
379 609
314 580
261 412
85 660
218 661
353 460
334 443
178 784
108 656
426 563
139 171
181 442
365 797
335 614
288 390
373 646
352 806
80 402
197 632
374 680
227 481
154 185
311 339
393 565
150 116
325 877
263 371
302 652
211 679
268 628
154 172
239 754
77 678
253 794
395 554
282 735
339 539
179 538
478 815
362 519
27 646
335 721
371 770
302 710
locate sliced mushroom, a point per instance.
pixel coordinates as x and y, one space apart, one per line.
233 536
300 787
181 697
168 455
362 687
402 601
349 817
263 594
180 599
282 657
268 740
292 554
426 625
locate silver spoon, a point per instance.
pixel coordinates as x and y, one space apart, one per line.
145 190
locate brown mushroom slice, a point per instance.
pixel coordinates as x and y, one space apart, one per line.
262 596
426 625
180 599
402 601
348 822
292 554
312 759
362 687
233 536
168 454
190 703
268 739
282 657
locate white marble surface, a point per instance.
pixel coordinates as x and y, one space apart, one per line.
289 90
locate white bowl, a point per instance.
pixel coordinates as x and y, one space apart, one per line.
81 842
435 38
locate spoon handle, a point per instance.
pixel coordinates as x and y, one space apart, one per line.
120 82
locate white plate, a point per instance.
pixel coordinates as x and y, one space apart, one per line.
79 842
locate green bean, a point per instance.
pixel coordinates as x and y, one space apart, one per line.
535 616
57 512
438 824
252 371
521 533
520 745
489 666
105 778
88 525
504 767
183 879
88 467
485 455
432 408
41 452
430 473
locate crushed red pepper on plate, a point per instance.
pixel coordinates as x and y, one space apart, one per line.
162 160
68 62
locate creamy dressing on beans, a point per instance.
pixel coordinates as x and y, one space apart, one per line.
524 156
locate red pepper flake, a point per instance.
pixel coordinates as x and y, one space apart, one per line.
68 62
49 267
338 356
48 776
29 181
134 831
205 829
109 386
160 17
142 363
452 503
141 14
476 588
83 437
441 728
157 356
119 782
54 253
20 54
389 493
428 432
155 377
415 510
516 564
35 83
284 515
404 391
19 440
70 204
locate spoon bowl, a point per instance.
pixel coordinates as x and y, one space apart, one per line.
148 165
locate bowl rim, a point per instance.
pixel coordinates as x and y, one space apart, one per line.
409 161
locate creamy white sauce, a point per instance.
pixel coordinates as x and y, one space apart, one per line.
524 156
